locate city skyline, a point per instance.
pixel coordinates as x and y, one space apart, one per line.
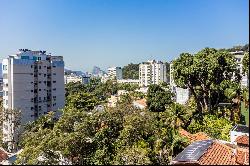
94 33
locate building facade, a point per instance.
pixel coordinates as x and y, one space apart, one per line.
181 94
239 55
33 83
152 72
115 73
128 81
72 78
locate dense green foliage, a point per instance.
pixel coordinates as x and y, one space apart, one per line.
207 74
245 63
215 127
158 98
121 135
244 48
125 135
130 71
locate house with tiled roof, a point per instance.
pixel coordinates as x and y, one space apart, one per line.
3 155
193 137
216 152
242 140
211 152
237 131
141 104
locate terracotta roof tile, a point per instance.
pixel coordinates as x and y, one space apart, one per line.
193 137
243 139
3 155
142 102
218 154
242 156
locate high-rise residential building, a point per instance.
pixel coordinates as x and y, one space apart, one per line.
152 72
239 55
33 82
115 73
181 94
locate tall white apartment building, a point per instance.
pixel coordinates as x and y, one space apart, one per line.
239 55
152 72
181 94
115 73
33 82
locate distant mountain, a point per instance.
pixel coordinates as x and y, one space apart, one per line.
68 71
97 71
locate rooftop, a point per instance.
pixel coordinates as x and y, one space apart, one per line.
243 139
241 128
3 155
194 137
212 152
141 102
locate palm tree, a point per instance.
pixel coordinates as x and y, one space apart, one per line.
176 116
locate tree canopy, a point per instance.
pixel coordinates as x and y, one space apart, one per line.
206 74
130 71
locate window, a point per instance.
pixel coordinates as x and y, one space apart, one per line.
54 66
31 108
40 67
38 58
44 66
4 67
6 93
31 82
31 90
31 66
6 102
54 74
54 89
40 82
44 75
31 73
39 89
54 81
39 74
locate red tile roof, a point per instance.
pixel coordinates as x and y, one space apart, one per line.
194 137
218 154
3 155
142 102
243 139
242 156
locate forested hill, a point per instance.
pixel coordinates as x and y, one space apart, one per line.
130 71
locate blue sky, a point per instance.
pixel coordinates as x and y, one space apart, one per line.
116 32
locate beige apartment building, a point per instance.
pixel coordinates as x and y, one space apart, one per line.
33 82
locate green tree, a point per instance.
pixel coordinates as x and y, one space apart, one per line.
158 98
245 63
217 128
203 73
177 116
81 100
131 71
